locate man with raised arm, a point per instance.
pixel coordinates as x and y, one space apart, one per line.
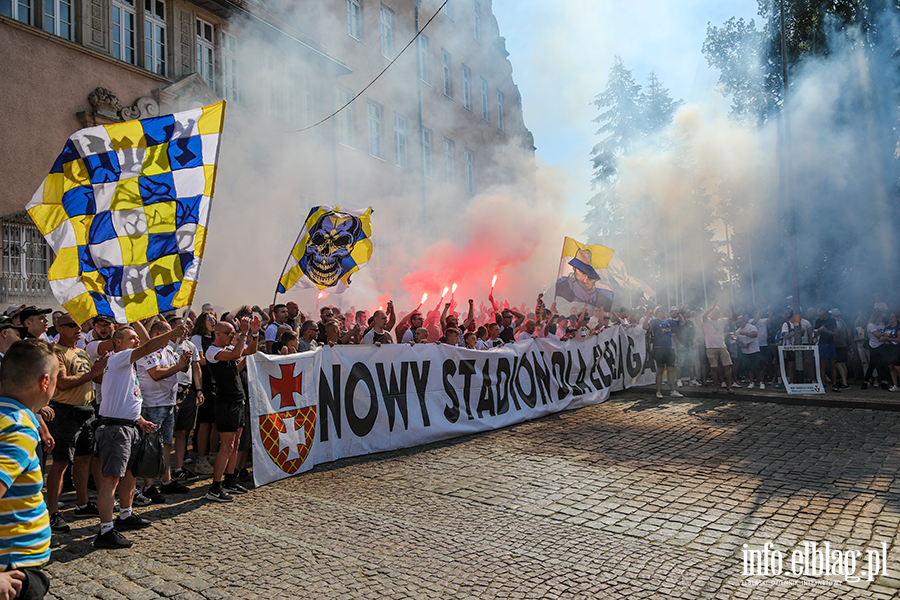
229 347
117 435
663 347
716 350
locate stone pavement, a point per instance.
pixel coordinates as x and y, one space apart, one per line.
635 497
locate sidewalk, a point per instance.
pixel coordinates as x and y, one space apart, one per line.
853 397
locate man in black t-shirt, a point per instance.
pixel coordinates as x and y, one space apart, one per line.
825 328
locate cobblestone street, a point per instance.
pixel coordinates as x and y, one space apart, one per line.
636 498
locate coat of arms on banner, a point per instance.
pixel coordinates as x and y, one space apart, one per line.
288 435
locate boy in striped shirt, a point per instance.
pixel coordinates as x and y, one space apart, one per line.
27 382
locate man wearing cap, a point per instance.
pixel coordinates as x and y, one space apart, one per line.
71 424
35 321
9 334
581 284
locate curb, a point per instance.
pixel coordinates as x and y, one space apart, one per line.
794 400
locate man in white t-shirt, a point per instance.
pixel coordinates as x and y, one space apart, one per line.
747 337
190 396
117 435
716 350
280 317
157 374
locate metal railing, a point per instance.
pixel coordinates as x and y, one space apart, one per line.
29 289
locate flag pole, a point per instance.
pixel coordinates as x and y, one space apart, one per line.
286 261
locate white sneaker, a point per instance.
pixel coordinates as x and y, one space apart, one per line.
694 383
678 382
723 384
659 395
762 386
749 386
736 385
675 394
894 388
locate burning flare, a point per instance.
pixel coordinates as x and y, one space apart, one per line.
424 298
453 289
444 293
493 282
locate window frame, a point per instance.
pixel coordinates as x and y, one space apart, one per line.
467 87
125 7
446 63
55 27
500 110
230 68
387 32
401 158
476 21
427 152
375 128
201 42
449 167
357 26
424 47
155 56
470 170
485 110
345 118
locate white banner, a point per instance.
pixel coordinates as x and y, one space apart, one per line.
332 403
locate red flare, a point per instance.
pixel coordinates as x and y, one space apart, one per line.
424 298
321 295
444 293
453 289
493 282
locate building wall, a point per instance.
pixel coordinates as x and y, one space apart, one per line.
291 60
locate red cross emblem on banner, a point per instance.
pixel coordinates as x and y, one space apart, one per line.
288 423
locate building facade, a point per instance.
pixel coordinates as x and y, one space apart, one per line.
417 132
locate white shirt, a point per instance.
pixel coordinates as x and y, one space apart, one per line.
186 377
524 335
762 326
121 391
743 337
806 325
481 345
158 392
714 332
408 336
272 332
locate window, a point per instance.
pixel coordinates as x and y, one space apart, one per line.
426 152
308 96
123 30
354 19
470 171
424 51
344 117
26 258
298 98
206 53
445 72
500 109
19 10
476 13
387 32
448 159
373 114
484 99
274 89
58 18
155 36
448 9
229 68
467 87
400 141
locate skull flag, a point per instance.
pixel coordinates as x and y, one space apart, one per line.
333 244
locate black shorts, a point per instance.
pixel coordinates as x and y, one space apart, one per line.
664 357
752 362
229 415
206 412
72 431
842 353
185 408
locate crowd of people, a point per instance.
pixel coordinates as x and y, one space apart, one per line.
82 396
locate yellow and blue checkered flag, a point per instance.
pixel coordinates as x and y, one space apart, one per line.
333 244
125 208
